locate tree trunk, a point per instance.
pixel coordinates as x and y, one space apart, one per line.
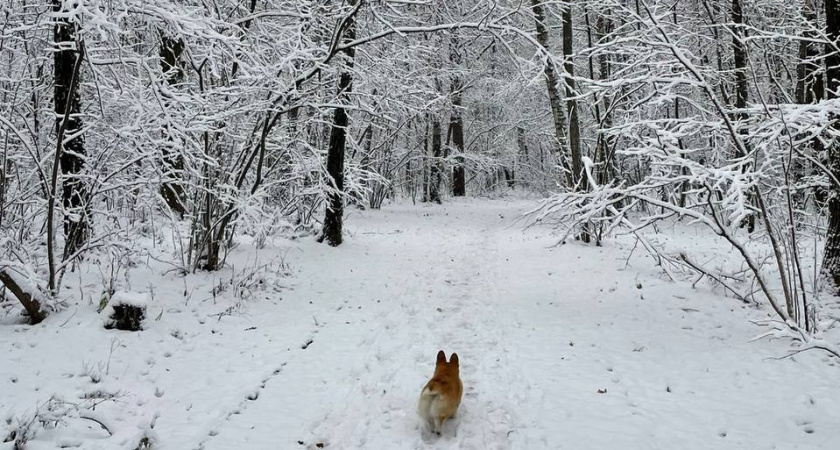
72 159
523 158
809 83
172 189
552 84
739 52
740 57
426 165
831 257
607 173
456 121
684 185
459 179
571 104
333 220
809 90
600 143
577 182
29 300
435 168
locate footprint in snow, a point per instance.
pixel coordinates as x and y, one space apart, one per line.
806 425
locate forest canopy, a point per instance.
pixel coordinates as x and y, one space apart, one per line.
207 119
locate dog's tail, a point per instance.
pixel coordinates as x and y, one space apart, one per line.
431 390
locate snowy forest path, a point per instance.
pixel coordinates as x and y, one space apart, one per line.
570 346
446 300
415 281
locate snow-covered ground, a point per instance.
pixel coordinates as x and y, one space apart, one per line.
574 347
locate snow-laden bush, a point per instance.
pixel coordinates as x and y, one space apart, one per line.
748 169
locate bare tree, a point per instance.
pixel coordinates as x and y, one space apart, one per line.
68 111
172 188
739 53
456 121
831 256
552 82
333 219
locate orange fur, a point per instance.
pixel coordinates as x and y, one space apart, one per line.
441 396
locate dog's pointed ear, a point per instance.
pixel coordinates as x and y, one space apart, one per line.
453 359
441 358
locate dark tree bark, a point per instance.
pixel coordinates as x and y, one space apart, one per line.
739 52
434 169
524 159
552 83
426 167
571 104
334 217
810 89
510 177
600 147
456 121
333 221
29 300
577 182
684 185
459 178
172 188
76 192
809 83
606 142
831 257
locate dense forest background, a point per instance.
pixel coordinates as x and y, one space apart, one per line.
203 120
253 223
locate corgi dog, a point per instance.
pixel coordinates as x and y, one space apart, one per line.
441 396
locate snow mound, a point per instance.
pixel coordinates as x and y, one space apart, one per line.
126 311
138 300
